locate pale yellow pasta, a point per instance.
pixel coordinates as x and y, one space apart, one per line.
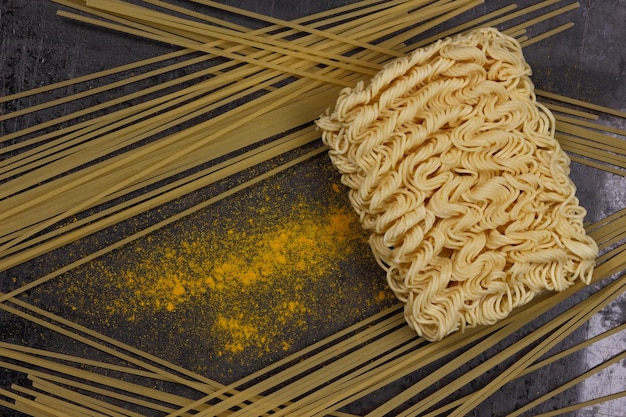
455 172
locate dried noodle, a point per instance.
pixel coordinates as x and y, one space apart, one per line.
454 169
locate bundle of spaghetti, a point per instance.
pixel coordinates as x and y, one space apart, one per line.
339 355
26 213
69 192
357 364
378 361
454 169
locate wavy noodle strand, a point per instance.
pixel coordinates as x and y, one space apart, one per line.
455 172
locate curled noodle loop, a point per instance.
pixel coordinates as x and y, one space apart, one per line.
455 172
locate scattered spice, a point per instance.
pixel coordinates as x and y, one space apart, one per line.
285 266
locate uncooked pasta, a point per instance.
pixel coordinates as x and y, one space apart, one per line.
346 369
454 170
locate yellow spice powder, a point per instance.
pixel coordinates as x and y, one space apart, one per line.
244 287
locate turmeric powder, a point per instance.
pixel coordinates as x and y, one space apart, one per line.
236 288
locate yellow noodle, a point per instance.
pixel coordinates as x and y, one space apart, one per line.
69 144
144 232
82 361
547 34
545 16
519 13
393 373
60 405
101 89
92 388
44 409
606 157
453 12
113 166
597 165
180 41
62 392
359 384
554 325
23 407
590 125
584 310
517 34
465 231
152 199
592 135
305 29
262 43
214 151
216 82
94 75
605 364
358 362
580 103
204 386
584 404
134 132
457 29
301 366
491 23
111 116
599 232
568 110
32 201
522 38
606 147
77 114
573 349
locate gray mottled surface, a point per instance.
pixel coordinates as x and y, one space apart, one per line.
588 62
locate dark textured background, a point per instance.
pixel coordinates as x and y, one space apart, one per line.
587 62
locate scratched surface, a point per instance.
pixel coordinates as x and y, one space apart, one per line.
588 62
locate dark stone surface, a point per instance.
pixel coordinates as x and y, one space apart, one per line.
587 62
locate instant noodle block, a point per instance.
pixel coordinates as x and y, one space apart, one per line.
455 173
